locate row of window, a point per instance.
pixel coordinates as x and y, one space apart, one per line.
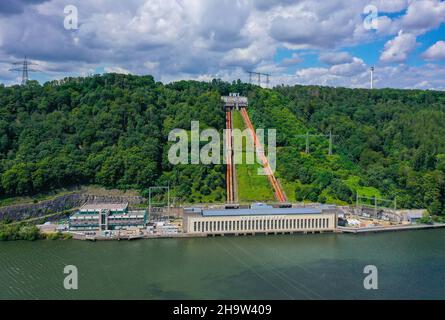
261 225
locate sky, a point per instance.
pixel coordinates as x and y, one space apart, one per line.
330 42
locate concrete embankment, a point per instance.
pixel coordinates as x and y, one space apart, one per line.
81 236
391 228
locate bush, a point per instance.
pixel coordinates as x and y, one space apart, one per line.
18 232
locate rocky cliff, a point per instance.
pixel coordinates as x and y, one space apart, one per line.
59 204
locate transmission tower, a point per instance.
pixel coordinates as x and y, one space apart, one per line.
23 68
307 136
258 75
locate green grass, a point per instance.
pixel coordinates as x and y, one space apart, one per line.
289 188
353 183
252 187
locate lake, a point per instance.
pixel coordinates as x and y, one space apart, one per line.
411 265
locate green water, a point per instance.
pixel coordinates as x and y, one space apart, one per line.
411 265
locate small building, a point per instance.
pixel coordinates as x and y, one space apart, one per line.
107 216
414 216
235 101
260 219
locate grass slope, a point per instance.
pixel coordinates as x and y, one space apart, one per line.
251 186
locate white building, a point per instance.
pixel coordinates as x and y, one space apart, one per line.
260 220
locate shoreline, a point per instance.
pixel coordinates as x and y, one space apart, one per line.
339 230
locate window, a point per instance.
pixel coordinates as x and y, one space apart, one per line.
194 226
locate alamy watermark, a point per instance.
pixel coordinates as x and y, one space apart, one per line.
187 147
371 21
71 21
371 281
71 281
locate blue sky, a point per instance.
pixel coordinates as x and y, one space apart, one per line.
296 41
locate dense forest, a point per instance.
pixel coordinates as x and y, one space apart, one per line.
112 130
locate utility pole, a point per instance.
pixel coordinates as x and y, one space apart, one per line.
307 136
330 143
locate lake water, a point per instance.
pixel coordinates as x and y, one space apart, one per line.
411 265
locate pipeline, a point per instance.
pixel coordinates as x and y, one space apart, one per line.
229 158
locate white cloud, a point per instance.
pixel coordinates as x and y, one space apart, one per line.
397 49
332 58
435 52
200 39
116 70
355 67
430 76
423 15
390 6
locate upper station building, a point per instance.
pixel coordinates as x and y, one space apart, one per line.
235 101
107 216
260 219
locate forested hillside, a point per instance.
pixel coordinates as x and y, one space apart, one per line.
387 143
112 130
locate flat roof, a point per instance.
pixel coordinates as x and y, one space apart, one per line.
104 206
262 211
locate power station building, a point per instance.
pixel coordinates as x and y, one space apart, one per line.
106 216
260 219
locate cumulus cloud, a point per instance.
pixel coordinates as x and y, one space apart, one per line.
435 52
201 39
423 15
332 58
397 49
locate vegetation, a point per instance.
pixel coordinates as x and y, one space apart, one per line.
24 231
251 186
387 143
18 232
112 131
109 130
